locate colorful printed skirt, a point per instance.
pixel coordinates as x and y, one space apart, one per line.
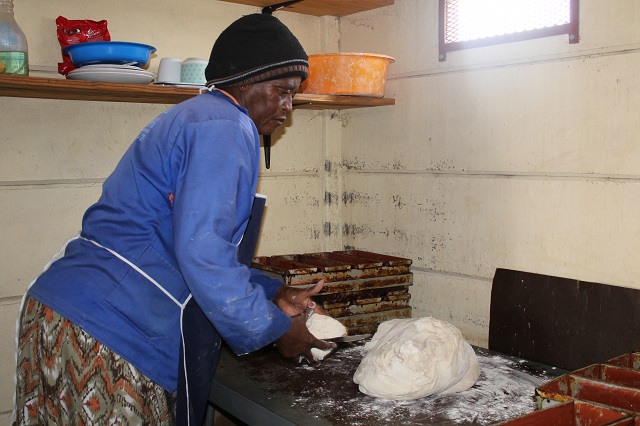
66 377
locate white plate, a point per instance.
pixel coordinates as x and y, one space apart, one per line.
110 66
112 76
84 70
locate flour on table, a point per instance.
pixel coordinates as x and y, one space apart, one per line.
324 327
413 358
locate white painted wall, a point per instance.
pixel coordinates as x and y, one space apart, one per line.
54 155
523 156
520 156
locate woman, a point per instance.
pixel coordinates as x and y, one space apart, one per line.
100 335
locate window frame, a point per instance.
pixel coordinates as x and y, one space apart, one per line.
571 28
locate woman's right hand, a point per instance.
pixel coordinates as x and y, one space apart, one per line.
298 341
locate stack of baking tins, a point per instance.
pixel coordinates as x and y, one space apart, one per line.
362 288
600 394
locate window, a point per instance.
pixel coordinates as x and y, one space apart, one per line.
466 24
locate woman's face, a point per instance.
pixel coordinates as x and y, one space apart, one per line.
269 102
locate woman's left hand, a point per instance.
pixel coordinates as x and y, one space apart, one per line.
293 301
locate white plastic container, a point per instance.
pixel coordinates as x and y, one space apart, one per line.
169 70
192 71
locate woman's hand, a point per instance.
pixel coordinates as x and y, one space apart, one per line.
298 341
293 301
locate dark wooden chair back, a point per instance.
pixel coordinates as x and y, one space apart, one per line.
562 322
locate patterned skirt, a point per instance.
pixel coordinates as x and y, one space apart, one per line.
66 377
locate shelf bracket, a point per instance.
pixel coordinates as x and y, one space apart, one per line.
270 9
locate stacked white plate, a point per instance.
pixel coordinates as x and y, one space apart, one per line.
112 73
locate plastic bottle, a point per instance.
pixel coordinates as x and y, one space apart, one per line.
14 56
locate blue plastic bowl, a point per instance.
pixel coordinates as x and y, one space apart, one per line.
109 52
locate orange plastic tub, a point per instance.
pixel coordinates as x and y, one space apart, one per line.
356 74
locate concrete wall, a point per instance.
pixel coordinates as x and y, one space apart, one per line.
523 156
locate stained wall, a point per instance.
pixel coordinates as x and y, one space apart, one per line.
522 156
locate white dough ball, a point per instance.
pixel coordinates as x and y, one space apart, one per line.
324 327
413 358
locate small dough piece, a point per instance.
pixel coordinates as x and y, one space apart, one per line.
324 327
413 358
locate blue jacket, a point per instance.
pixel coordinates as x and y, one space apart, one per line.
176 206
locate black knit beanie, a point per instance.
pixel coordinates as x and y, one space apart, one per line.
255 48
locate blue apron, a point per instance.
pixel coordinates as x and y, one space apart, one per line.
200 350
200 343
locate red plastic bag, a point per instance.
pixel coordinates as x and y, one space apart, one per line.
78 31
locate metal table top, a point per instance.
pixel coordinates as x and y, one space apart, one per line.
264 388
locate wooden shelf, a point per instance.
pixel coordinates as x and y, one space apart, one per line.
321 7
58 88
309 101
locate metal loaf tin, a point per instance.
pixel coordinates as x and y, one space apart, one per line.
362 288
572 413
614 385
